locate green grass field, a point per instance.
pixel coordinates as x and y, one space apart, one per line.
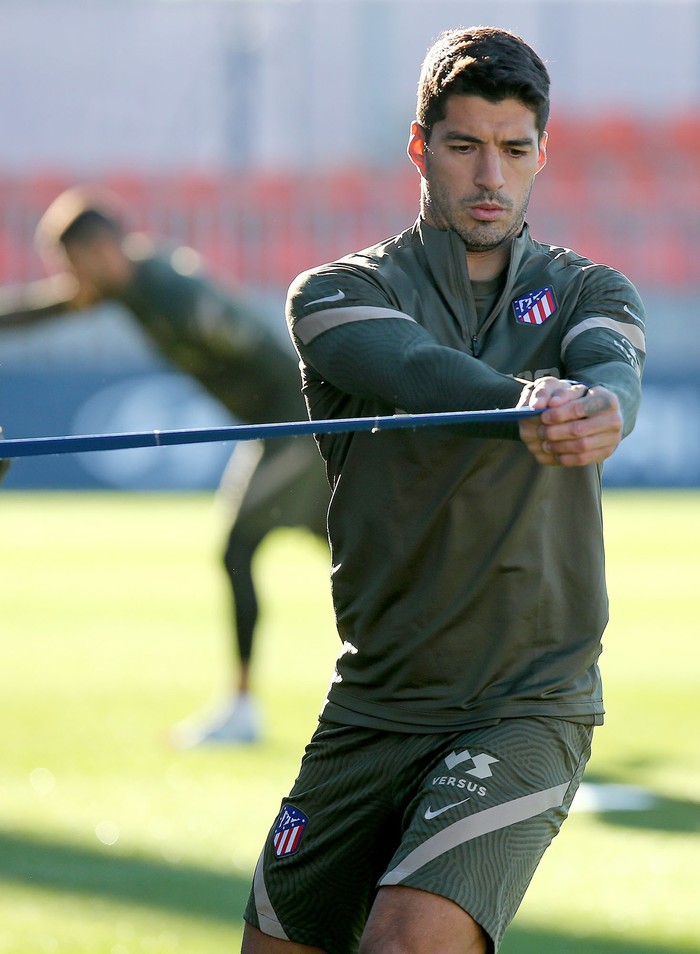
113 620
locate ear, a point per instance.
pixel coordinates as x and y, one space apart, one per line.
416 147
542 157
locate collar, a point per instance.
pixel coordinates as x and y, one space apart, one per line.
446 254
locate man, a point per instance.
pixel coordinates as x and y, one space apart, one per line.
231 349
467 566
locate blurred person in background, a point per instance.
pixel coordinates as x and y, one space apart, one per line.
227 345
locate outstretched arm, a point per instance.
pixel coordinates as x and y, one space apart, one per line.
35 302
397 361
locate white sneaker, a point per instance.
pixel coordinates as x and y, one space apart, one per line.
237 722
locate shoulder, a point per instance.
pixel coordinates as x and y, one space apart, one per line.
359 277
574 264
164 258
581 276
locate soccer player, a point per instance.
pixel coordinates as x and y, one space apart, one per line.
467 567
225 343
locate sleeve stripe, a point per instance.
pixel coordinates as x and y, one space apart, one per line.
631 332
311 326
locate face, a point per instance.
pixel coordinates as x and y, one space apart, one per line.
99 263
478 169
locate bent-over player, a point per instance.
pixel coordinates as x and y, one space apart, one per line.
226 344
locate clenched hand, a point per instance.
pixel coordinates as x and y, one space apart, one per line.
577 426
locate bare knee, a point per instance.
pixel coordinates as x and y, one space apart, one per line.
408 921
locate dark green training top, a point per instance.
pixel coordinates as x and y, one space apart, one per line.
467 579
217 337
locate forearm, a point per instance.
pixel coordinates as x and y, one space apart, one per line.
35 302
623 381
398 362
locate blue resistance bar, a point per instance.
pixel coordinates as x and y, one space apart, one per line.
84 443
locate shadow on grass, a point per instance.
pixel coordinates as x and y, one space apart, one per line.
521 940
673 815
129 879
667 815
198 892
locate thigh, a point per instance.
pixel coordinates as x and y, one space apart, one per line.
404 919
334 836
486 812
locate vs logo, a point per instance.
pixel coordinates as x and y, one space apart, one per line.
481 764
478 766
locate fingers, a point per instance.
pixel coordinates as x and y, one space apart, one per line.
585 429
586 448
550 392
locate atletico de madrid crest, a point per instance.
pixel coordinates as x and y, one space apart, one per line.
535 307
288 831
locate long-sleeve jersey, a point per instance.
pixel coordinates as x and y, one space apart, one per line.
468 580
216 336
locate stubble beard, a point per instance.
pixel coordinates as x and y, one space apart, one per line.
442 210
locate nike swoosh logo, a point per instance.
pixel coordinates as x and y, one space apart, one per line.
338 297
438 811
629 312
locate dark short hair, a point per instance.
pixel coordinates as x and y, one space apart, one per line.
87 225
482 61
78 215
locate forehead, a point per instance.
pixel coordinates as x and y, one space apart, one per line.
477 117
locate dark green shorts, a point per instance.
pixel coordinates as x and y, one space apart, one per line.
466 815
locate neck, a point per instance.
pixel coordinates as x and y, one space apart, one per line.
486 265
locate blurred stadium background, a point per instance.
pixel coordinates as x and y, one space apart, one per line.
270 135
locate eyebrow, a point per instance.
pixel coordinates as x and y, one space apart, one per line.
465 137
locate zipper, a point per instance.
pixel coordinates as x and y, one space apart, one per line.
476 347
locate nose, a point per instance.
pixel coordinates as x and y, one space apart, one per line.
488 174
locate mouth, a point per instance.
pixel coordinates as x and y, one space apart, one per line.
487 212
